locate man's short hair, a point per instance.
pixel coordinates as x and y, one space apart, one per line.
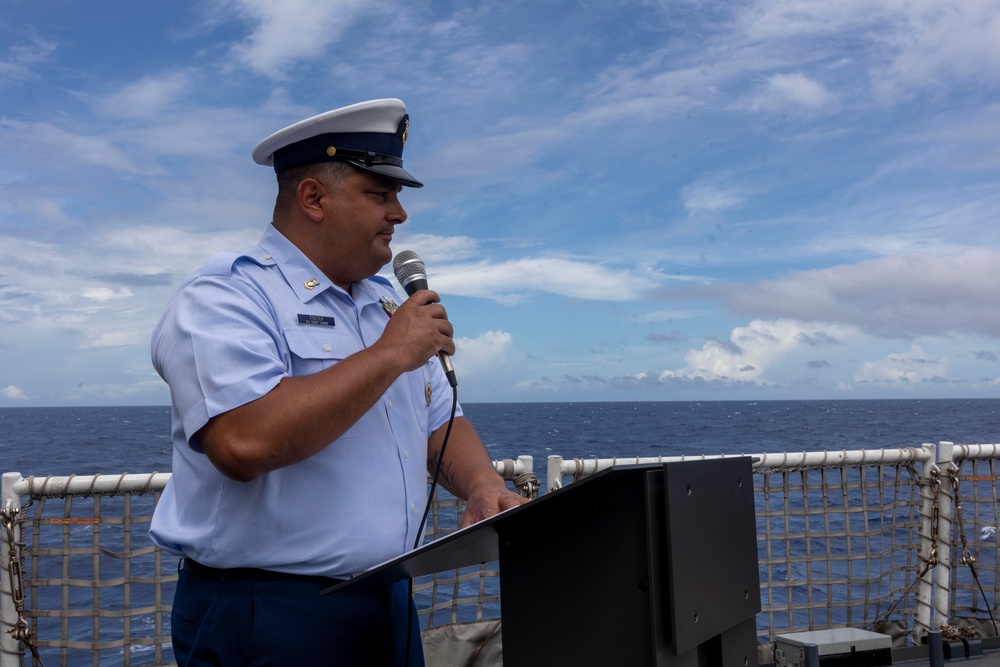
330 174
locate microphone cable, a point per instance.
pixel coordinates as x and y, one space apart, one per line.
411 605
437 468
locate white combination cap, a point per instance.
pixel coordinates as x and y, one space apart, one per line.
368 135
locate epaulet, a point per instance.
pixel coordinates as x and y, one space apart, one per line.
384 281
222 263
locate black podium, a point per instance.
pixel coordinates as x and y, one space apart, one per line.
634 565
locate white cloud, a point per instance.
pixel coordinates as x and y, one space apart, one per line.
45 210
488 366
119 338
751 351
151 249
12 393
106 293
911 367
17 65
912 295
151 97
774 20
434 249
288 32
790 92
708 197
900 47
936 45
513 280
46 288
40 140
490 349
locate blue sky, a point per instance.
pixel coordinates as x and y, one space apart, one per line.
676 200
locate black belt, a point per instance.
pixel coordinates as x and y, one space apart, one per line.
250 574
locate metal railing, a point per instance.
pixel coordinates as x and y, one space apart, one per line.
898 540
902 541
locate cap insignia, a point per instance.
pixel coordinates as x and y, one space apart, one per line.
406 130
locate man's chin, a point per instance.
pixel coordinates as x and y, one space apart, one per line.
383 257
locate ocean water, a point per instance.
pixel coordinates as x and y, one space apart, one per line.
90 440
727 427
111 440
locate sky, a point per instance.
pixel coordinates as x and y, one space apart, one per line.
635 200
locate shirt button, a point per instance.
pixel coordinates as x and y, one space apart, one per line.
326 347
390 404
406 454
267 255
413 508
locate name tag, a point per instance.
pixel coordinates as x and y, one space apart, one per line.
316 320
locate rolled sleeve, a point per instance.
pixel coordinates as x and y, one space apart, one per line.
216 348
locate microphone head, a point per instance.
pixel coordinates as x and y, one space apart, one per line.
408 267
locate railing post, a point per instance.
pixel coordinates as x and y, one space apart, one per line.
553 473
927 547
10 648
936 508
946 509
529 485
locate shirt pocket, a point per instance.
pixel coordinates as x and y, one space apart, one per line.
312 350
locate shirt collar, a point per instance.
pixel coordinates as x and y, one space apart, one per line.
303 276
305 279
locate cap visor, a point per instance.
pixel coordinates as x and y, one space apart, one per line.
392 171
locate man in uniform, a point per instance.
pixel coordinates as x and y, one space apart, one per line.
308 405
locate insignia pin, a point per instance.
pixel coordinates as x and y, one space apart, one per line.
388 305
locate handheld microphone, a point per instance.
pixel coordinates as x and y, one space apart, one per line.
412 275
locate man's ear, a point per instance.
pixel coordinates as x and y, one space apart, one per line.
309 195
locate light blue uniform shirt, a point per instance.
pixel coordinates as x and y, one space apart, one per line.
234 329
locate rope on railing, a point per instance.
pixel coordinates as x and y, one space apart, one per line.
14 547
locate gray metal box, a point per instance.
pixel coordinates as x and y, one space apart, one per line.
837 646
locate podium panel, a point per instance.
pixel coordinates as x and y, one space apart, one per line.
712 546
635 565
576 586
653 566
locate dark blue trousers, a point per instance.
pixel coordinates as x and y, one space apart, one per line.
230 621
